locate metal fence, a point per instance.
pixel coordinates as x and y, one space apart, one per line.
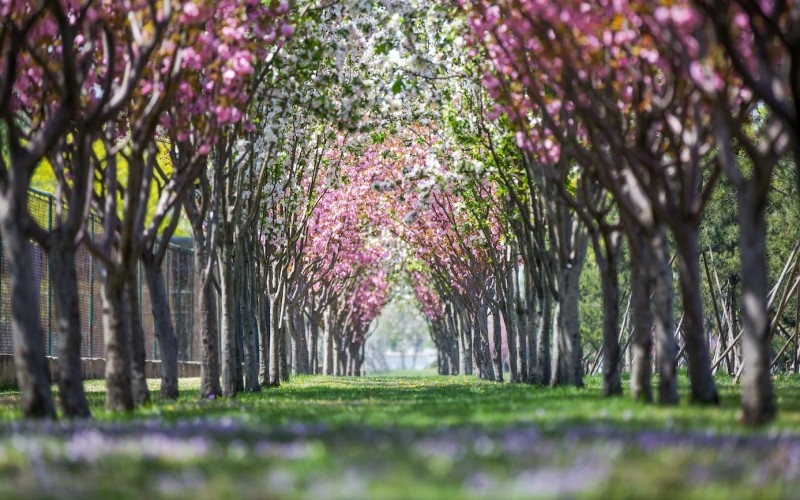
181 292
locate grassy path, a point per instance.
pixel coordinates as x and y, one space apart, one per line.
401 437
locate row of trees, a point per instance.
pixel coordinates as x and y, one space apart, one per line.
233 115
320 151
625 116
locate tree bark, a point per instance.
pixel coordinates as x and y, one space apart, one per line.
543 347
26 328
327 357
275 340
569 368
642 345
119 393
138 355
758 398
497 338
609 281
64 280
688 252
228 334
666 347
164 329
209 335
264 334
248 313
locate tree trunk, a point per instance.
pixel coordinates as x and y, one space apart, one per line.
26 327
642 344
302 345
64 280
165 330
520 320
209 335
688 252
543 347
466 344
758 399
119 393
569 367
275 341
532 299
138 355
666 347
314 326
228 335
497 338
248 313
327 357
264 322
284 351
606 259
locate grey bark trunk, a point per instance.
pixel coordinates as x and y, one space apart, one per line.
642 344
228 334
543 347
688 249
275 340
248 314
263 333
209 336
119 393
26 328
327 357
609 281
758 398
138 372
497 339
569 363
64 280
466 344
164 329
666 347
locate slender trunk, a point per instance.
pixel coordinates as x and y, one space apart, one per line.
758 399
26 327
64 280
570 360
497 339
327 358
228 334
264 334
302 344
466 344
119 393
532 328
666 347
209 335
247 316
609 281
543 347
688 252
642 344
520 315
284 351
165 330
314 326
275 341
138 355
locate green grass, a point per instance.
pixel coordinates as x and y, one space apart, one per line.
395 436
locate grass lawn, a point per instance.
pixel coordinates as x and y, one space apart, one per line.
404 436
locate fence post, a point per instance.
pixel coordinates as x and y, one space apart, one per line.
191 308
50 199
91 292
178 294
